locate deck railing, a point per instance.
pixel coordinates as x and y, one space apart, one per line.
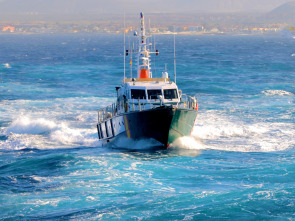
189 102
138 105
107 112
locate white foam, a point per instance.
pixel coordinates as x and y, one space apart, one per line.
189 143
69 136
90 198
26 125
27 132
218 130
42 202
187 146
277 92
16 142
47 124
86 117
7 65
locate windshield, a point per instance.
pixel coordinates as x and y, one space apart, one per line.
170 94
153 94
137 94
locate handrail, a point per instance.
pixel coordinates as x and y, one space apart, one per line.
146 79
189 102
125 107
106 112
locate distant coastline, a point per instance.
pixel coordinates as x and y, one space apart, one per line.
179 34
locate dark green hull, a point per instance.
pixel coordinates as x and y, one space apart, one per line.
164 124
182 124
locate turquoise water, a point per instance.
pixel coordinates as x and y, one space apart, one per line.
238 163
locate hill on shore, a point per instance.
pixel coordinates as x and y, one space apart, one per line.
284 13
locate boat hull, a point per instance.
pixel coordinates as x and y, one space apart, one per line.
164 124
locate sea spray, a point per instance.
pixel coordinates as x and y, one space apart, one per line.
27 125
46 134
247 135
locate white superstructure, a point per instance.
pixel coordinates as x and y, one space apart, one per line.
143 92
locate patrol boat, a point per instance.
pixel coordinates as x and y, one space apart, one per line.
147 107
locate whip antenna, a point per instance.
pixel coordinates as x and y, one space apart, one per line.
174 58
124 46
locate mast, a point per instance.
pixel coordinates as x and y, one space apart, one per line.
174 59
143 56
124 49
131 59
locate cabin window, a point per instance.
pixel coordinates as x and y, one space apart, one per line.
170 94
153 94
138 94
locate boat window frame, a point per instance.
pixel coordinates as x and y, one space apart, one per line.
170 89
161 93
138 89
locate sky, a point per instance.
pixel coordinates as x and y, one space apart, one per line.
134 6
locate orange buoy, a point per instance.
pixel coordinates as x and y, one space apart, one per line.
144 73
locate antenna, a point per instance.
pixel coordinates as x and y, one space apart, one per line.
124 47
174 58
155 67
150 33
131 58
128 53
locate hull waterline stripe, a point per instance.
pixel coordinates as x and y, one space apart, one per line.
127 127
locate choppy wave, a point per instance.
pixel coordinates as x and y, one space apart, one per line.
26 125
219 131
26 132
7 65
48 124
277 92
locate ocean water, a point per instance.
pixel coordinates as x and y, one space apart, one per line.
238 164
